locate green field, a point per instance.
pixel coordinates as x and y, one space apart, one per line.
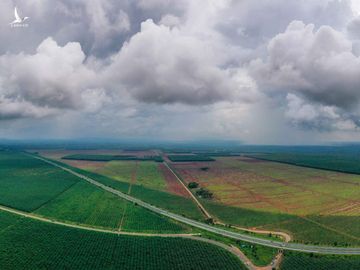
7 220
300 261
190 158
144 173
118 170
259 255
149 175
302 230
176 204
138 219
27 183
36 186
98 157
171 202
334 161
58 247
88 205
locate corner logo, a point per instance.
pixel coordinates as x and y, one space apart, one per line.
19 21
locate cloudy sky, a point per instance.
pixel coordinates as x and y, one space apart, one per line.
266 72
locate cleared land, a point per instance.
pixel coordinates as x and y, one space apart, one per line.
58 247
308 203
275 187
173 185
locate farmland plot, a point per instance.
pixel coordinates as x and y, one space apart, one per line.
275 187
165 200
313 205
88 205
296 261
27 183
58 247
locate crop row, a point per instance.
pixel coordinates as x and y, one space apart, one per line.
57 247
297 261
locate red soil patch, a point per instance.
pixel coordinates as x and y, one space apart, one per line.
173 185
83 164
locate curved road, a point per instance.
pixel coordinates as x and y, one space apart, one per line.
209 228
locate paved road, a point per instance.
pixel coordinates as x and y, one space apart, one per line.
213 229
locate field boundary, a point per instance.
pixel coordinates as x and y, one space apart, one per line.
209 228
196 237
83 227
202 208
132 182
301 165
55 197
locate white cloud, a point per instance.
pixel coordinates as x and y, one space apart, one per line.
112 66
316 116
166 65
318 64
52 79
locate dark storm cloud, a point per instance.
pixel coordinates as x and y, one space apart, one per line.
315 116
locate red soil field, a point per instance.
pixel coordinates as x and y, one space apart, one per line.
173 185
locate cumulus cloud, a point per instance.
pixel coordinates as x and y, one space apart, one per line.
164 65
237 21
315 116
317 63
138 60
52 79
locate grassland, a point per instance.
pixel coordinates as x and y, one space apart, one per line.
27 183
57 247
149 175
259 255
119 170
299 261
